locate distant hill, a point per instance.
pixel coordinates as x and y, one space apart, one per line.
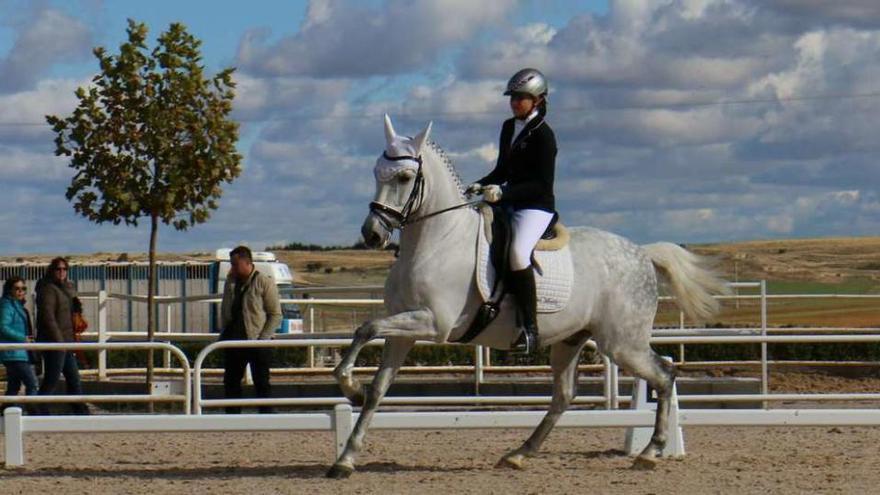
827 260
823 260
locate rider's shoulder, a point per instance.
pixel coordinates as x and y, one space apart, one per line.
544 132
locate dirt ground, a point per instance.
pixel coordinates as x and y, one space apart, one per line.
719 460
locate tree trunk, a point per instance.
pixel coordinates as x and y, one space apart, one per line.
151 303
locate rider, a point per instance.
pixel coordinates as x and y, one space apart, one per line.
523 182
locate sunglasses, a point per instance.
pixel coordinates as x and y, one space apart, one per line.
520 96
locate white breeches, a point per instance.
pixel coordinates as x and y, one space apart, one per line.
528 227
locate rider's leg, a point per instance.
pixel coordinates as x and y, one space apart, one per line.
522 286
528 226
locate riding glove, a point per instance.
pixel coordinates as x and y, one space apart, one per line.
492 193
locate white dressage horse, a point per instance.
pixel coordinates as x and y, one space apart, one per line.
431 294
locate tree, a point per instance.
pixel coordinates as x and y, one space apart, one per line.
150 138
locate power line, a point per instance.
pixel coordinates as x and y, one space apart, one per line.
555 110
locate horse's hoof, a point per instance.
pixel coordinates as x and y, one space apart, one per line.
644 463
339 472
511 462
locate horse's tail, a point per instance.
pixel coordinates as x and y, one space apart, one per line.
692 278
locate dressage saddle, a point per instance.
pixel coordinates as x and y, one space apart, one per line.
499 253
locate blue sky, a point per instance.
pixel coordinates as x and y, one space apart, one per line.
680 120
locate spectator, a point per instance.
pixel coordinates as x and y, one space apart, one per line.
15 326
250 310
56 298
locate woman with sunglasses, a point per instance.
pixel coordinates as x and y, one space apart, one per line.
522 182
56 298
15 327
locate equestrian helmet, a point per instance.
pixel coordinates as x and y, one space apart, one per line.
528 81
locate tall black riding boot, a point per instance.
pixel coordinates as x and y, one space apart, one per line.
522 286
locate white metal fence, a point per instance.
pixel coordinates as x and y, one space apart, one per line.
104 304
186 374
342 417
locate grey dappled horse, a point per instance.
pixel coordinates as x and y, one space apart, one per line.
431 294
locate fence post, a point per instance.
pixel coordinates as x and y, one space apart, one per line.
615 385
102 334
312 332
478 368
606 375
342 426
764 369
166 357
13 436
612 387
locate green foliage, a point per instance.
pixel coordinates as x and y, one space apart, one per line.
151 135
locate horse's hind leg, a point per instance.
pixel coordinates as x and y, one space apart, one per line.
564 358
660 374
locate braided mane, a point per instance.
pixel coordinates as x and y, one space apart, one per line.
449 165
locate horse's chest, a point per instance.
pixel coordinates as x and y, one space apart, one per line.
421 284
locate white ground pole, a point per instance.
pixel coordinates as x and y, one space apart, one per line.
342 417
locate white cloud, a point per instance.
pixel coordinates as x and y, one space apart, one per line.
48 37
352 40
23 113
22 165
645 148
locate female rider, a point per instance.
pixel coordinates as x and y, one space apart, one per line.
522 182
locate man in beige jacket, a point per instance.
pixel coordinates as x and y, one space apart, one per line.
250 311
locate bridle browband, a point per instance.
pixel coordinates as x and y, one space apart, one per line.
388 215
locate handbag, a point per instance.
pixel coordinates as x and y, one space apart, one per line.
79 326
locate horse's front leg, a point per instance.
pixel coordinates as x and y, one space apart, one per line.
344 371
414 325
400 331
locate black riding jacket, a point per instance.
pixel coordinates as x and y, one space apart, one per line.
525 169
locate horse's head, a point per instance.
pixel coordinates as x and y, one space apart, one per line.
399 185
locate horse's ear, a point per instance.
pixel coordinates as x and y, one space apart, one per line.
389 131
420 140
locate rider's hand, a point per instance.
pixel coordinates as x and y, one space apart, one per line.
492 193
473 189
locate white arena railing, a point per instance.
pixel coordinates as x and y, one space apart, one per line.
185 398
609 398
482 362
340 420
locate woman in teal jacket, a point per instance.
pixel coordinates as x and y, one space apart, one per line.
15 327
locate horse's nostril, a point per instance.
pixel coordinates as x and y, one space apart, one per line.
371 238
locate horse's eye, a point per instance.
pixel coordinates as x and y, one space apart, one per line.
403 179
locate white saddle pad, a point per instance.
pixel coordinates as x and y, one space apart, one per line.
553 284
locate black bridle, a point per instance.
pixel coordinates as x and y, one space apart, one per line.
388 215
